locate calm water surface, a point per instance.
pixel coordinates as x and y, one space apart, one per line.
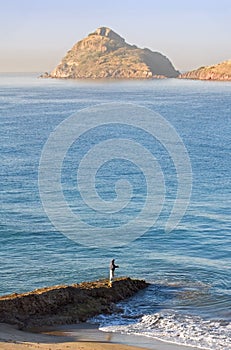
189 269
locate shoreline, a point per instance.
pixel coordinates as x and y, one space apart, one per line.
82 336
56 318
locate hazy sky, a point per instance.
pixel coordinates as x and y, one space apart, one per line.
35 35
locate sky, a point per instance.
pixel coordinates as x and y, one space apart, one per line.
35 35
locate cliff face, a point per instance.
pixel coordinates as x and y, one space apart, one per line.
104 54
221 71
66 304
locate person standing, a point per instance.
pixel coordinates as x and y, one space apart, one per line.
113 266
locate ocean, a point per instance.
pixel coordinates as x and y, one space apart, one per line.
69 206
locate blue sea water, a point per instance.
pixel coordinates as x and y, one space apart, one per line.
188 301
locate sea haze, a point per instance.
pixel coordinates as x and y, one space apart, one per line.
188 301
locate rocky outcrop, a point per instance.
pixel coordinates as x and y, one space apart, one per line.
104 54
66 304
220 71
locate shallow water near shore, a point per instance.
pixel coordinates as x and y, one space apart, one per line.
89 332
188 301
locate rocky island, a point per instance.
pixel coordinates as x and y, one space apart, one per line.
104 54
220 71
66 304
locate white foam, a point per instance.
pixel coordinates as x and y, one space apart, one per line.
172 327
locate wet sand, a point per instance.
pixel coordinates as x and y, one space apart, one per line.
77 337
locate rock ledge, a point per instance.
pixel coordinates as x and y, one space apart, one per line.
66 304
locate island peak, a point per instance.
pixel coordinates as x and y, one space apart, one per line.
105 54
107 32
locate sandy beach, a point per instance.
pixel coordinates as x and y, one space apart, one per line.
13 339
82 337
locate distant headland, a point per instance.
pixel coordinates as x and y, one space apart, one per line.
104 54
220 71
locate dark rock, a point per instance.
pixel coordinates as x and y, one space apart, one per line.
66 304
